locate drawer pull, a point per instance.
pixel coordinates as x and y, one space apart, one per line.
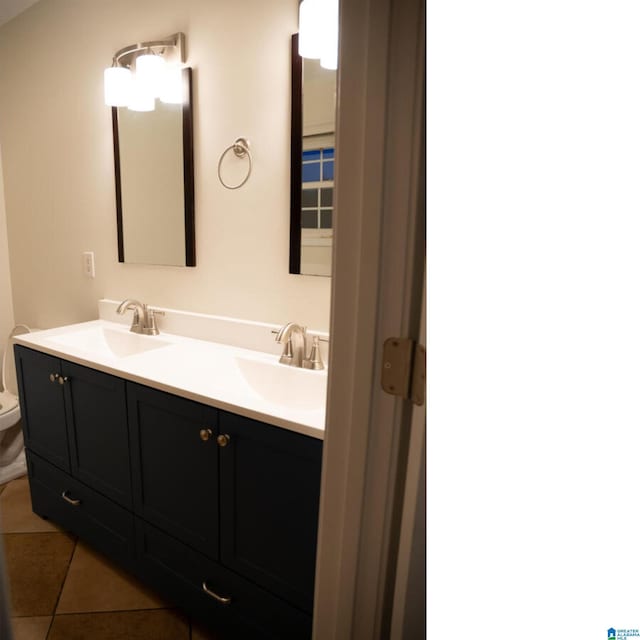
223 440
214 595
72 501
205 434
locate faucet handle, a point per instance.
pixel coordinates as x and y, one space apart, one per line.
152 329
314 361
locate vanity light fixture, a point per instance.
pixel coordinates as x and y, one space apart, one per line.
309 36
142 72
318 31
150 69
329 55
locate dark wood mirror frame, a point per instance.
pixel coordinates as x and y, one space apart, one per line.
187 153
296 158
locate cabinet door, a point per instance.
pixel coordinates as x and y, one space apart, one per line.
269 498
174 459
98 434
42 406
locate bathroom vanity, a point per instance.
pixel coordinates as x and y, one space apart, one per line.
214 508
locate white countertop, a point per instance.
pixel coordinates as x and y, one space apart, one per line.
242 381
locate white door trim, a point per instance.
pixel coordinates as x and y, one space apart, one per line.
378 274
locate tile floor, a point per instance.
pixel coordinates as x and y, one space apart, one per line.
62 590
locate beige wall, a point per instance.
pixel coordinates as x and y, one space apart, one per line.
56 140
6 304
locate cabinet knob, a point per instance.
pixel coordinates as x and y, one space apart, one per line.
62 379
223 440
53 377
205 434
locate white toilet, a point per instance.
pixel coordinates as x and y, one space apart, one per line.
12 457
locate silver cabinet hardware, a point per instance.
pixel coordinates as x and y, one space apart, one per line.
205 434
223 440
72 501
62 379
214 595
53 376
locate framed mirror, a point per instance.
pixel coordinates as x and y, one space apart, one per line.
313 108
153 154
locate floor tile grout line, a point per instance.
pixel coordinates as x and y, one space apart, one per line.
107 611
66 575
93 611
23 533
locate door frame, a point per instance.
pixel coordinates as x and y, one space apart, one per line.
378 266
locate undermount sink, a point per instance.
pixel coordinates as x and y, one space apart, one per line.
103 341
284 385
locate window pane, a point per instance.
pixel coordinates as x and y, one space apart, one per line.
309 220
326 197
312 154
325 219
328 153
309 198
311 172
327 170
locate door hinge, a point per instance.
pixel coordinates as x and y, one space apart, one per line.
404 369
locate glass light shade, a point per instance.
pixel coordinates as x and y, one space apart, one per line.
172 90
329 53
310 29
141 99
117 86
150 73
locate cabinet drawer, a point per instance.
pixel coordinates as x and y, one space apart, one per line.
72 505
183 573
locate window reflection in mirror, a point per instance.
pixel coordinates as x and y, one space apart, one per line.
312 165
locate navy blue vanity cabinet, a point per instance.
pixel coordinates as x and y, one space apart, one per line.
216 596
78 508
42 406
76 418
216 511
77 440
269 500
174 459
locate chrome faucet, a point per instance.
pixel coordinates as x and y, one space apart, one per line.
144 319
295 347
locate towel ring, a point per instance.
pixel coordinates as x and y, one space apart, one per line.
241 149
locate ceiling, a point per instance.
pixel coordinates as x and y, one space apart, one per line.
11 8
